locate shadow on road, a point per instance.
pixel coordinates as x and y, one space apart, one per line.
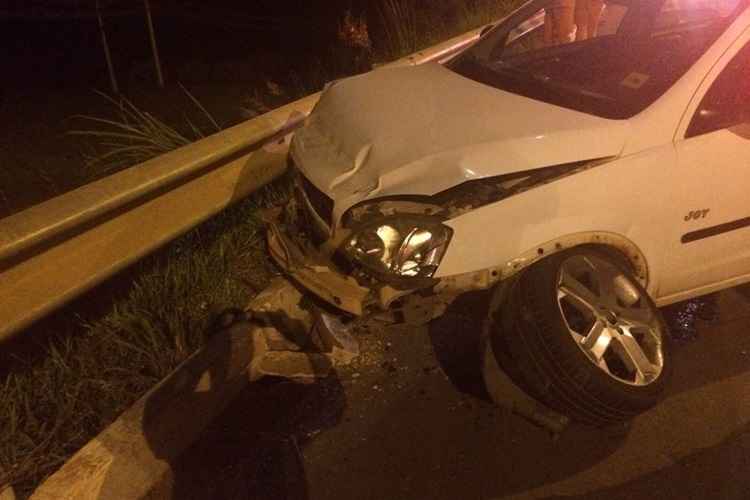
410 430
721 471
455 340
254 450
503 452
517 461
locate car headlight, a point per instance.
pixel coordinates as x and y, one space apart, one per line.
403 250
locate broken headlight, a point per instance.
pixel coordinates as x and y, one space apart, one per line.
402 250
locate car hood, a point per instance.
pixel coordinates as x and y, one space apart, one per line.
421 130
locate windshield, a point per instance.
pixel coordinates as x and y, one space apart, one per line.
610 58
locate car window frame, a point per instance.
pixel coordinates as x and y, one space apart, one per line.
639 17
697 126
740 37
501 31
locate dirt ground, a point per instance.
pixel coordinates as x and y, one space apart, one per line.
410 419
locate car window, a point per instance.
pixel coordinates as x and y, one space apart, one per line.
727 101
675 13
562 22
568 21
610 58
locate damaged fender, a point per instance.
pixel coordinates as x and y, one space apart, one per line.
487 278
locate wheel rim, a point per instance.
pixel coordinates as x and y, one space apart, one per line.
610 320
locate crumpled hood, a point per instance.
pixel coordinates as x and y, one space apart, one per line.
424 129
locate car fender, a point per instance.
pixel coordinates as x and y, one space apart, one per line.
619 205
617 244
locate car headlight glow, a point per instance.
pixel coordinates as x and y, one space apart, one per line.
403 247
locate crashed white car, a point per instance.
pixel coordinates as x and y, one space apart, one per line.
584 180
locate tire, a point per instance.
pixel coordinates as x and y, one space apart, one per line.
579 333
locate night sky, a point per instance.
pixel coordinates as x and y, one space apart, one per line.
56 43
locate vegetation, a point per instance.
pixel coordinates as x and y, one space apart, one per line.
408 27
76 382
56 400
135 136
401 35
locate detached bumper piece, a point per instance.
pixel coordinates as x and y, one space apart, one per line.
299 341
313 273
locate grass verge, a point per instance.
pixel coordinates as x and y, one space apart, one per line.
73 383
407 28
55 400
134 136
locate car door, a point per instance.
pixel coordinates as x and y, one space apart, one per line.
711 247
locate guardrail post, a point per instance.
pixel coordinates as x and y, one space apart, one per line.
154 48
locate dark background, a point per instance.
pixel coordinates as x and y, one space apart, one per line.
238 58
56 44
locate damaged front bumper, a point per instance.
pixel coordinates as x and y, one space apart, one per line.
313 273
300 242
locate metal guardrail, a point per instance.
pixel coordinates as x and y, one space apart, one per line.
55 251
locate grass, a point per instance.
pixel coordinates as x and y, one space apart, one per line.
407 28
55 398
399 20
475 13
55 402
135 136
78 380
404 29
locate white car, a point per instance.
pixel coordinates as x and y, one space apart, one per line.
585 180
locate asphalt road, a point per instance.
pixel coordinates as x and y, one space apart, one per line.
410 420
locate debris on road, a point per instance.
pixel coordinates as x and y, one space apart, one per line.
299 341
681 318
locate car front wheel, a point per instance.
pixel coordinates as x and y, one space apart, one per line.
581 334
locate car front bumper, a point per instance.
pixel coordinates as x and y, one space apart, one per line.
299 242
314 273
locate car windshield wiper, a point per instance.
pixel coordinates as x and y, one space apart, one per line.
502 68
496 71
570 87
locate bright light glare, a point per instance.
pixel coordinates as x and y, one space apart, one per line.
391 241
389 235
418 238
400 248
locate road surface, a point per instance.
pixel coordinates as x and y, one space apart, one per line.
411 420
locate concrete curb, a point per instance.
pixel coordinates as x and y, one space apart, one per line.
131 458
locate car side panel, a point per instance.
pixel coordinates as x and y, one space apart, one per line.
639 197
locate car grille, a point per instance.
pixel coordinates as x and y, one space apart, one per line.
322 204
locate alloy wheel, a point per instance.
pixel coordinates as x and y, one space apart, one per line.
611 320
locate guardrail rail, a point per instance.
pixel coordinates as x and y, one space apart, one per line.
53 252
